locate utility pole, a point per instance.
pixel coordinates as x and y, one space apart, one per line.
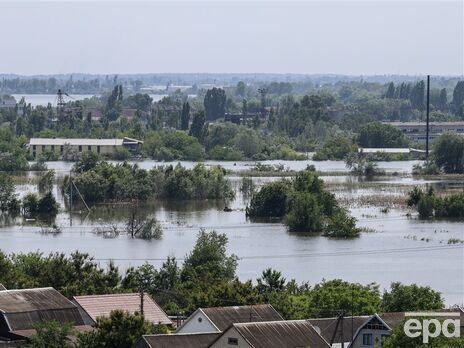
428 112
70 197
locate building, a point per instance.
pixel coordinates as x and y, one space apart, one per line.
21 310
7 102
274 334
218 319
190 340
416 153
93 306
416 131
105 147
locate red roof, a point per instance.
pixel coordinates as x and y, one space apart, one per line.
102 305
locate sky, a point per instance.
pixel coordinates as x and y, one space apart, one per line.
308 37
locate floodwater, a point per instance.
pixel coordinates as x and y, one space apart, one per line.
395 246
401 167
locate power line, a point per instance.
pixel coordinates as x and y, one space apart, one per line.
308 255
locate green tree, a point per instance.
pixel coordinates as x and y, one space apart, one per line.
198 127
458 95
341 225
448 153
185 116
270 200
240 89
52 334
119 330
376 134
215 103
270 281
398 338
8 200
304 213
408 298
390 94
208 262
443 101
417 95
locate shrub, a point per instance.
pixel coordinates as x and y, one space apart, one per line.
270 201
341 225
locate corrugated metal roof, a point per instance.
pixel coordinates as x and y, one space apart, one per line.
223 317
385 150
27 300
278 334
190 340
102 305
76 142
22 309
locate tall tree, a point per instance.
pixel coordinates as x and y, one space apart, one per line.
198 127
185 117
418 95
443 101
215 103
390 91
240 90
458 95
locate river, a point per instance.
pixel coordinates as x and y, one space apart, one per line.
396 248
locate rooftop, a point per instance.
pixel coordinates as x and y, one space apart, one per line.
82 141
188 340
417 123
102 305
290 333
327 327
223 317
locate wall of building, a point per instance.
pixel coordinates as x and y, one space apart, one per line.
36 150
376 338
226 340
197 323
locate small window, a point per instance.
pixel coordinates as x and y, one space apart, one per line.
80 148
89 148
232 341
367 339
98 149
200 319
33 147
61 149
53 147
43 147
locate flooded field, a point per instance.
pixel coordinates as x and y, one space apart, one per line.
396 246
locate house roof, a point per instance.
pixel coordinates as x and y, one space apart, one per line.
223 317
2 287
27 300
327 326
102 305
24 308
290 333
187 340
83 141
387 150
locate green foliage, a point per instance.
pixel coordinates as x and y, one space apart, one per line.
8 200
12 151
271 281
199 127
124 182
361 165
88 161
304 213
46 181
398 338
173 145
208 262
448 153
458 95
428 204
225 153
330 296
411 298
119 330
380 135
46 204
336 148
185 116
120 154
215 103
77 274
52 334
270 200
341 225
